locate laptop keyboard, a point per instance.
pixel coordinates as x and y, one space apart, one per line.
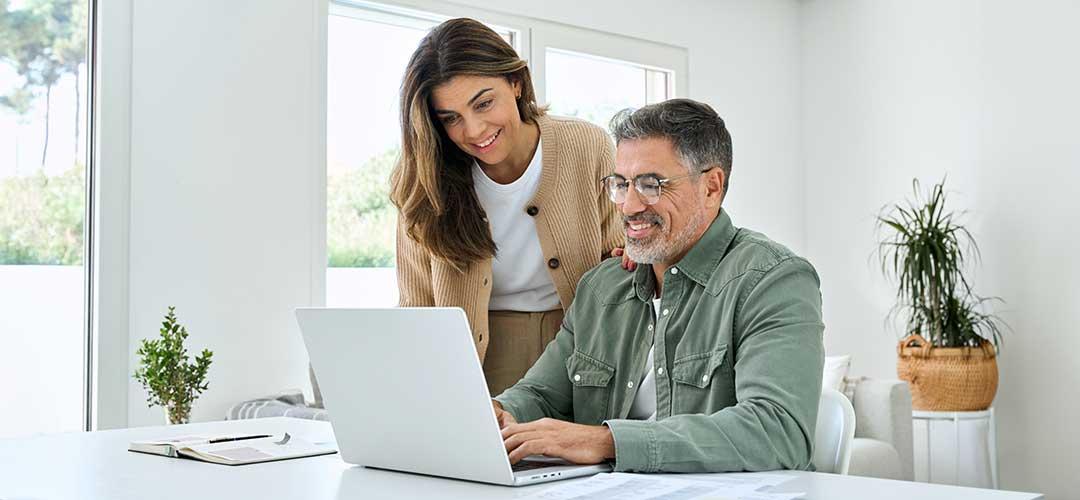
530 465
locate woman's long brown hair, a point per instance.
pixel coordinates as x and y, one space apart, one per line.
432 184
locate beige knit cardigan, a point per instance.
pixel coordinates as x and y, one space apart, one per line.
576 223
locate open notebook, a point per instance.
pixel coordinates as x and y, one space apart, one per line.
234 449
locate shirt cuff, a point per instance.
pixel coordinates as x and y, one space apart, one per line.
636 449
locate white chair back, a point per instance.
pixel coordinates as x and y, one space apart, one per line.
834 432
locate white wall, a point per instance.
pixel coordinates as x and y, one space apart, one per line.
224 176
225 154
984 91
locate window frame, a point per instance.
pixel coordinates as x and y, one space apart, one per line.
89 224
649 55
110 110
396 15
91 252
534 38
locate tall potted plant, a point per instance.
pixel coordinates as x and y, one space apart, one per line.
948 355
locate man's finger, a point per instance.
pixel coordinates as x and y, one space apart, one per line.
515 428
516 440
531 447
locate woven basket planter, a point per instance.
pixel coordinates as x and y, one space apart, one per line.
948 378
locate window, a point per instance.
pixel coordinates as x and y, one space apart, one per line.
595 88
363 142
44 166
579 72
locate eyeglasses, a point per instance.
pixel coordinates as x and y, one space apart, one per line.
648 186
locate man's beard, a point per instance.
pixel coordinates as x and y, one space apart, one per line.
662 246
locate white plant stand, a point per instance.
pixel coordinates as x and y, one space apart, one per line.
966 441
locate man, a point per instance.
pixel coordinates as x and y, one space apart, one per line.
708 356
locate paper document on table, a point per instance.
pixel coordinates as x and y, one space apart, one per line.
621 486
755 480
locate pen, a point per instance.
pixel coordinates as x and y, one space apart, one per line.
241 438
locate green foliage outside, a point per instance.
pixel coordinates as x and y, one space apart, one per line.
42 41
41 216
41 222
361 221
164 371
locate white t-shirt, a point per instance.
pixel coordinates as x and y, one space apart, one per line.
644 405
520 279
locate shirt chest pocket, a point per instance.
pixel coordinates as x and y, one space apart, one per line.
591 380
693 376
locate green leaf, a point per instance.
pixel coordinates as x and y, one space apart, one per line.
165 371
925 249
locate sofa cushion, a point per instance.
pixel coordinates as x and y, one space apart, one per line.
874 458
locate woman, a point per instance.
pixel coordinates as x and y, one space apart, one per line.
500 208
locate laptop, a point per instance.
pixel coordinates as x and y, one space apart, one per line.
405 391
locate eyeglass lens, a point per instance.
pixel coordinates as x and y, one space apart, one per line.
647 186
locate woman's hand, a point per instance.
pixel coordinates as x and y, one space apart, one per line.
627 264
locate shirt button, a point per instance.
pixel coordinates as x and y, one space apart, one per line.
674 271
553 263
630 384
660 371
577 377
665 312
650 327
532 211
485 281
704 378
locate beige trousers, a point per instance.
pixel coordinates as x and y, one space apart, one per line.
517 339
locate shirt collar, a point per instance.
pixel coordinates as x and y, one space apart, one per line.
699 263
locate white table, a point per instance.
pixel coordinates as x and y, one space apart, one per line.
97 465
978 448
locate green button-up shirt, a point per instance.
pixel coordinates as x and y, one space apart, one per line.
737 362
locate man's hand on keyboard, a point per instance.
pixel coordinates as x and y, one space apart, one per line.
581 444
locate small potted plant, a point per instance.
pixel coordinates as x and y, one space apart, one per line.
948 354
169 379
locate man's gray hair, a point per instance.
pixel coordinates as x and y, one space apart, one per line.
697 133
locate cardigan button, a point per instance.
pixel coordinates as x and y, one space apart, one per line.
532 210
553 263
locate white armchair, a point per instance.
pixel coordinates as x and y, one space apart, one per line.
883 438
